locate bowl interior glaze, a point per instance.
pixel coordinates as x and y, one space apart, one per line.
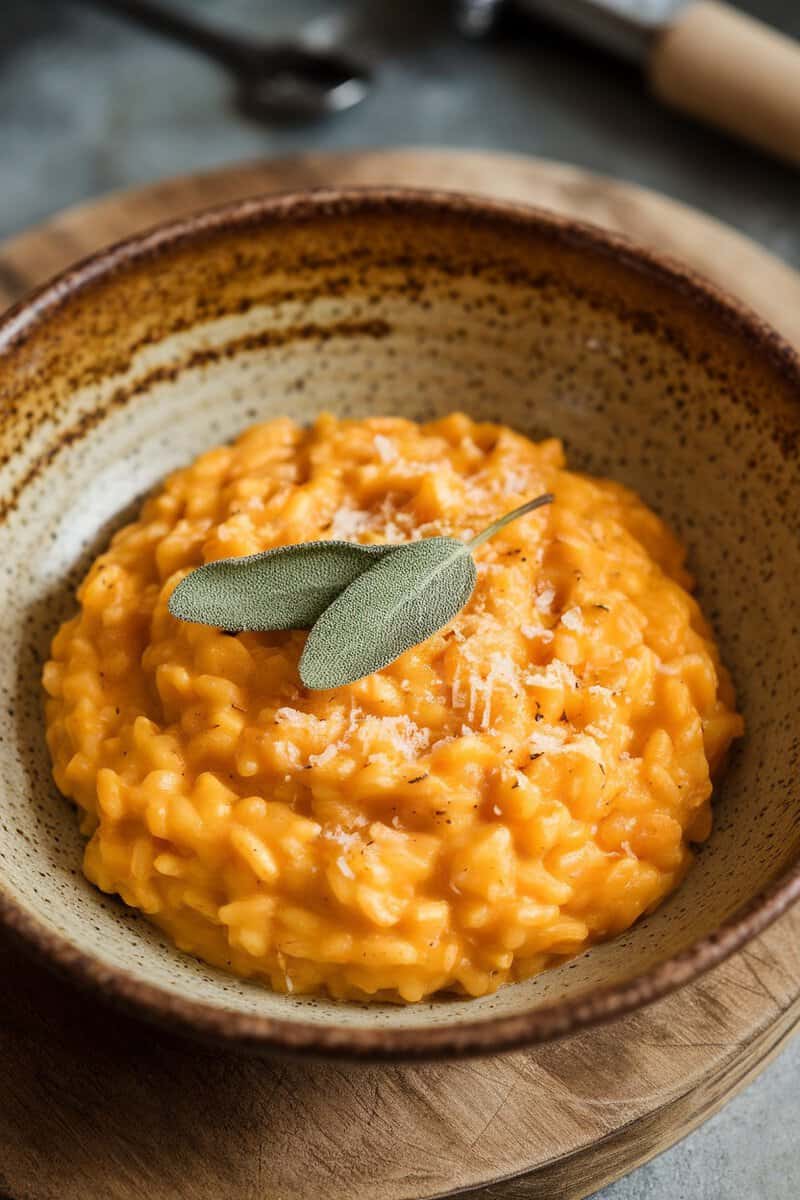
410 304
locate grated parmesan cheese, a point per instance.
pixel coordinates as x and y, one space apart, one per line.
503 670
319 760
585 746
291 751
345 868
553 739
403 735
556 674
573 619
291 716
514 483
330 751
387 451
348 523
537 632
547 740
544 601
341 836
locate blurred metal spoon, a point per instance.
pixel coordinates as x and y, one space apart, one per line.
283 79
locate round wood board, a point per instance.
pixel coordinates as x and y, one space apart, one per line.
96 1104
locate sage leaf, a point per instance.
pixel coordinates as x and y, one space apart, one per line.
285 588
400 601
422 587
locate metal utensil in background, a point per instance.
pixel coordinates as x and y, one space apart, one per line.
700 56
281 79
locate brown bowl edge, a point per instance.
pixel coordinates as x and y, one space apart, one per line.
252 1033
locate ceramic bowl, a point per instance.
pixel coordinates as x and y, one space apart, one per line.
412 303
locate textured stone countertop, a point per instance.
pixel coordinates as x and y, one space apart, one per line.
89 105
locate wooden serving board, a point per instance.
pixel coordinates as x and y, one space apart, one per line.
93 1104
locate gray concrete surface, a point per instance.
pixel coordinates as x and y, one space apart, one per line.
88 104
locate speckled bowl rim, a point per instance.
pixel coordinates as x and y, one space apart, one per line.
252 1032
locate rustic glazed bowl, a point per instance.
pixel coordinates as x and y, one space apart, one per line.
410 303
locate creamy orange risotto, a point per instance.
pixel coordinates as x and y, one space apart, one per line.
524 783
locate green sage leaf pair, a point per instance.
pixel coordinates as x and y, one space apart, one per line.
364 605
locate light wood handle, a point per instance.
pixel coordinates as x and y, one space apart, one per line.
732 71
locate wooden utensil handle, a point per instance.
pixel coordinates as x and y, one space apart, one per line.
734 72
